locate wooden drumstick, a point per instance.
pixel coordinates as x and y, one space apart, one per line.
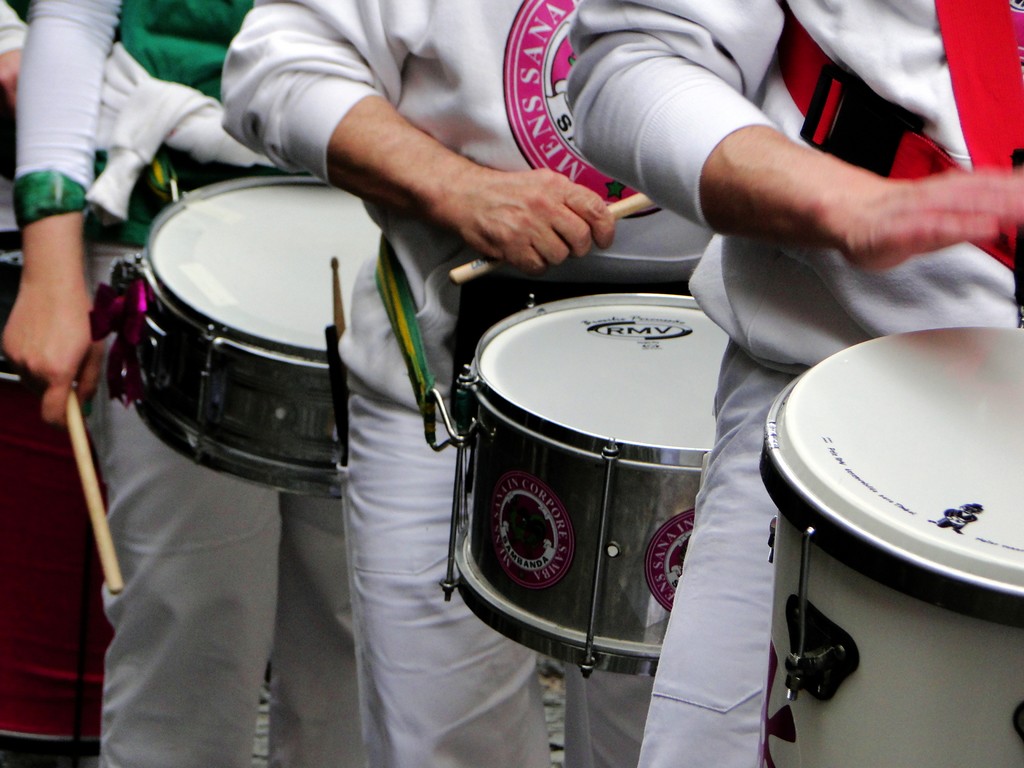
93 497
620 209
339 310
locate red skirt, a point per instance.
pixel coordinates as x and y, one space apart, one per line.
53 633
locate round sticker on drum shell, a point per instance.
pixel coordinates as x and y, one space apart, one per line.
531 532
663 563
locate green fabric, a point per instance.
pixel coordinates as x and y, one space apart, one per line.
46 193
393 287
182 41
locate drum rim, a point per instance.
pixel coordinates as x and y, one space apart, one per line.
569 438
193 316
889 565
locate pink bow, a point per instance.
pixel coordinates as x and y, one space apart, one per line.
125 315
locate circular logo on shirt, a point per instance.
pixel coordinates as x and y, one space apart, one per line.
530 530
663 563
538 57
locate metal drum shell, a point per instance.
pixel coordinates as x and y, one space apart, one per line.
650 485
252 406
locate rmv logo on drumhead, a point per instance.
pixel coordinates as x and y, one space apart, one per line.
640 329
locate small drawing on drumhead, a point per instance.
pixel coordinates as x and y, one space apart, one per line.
531 531
663 562
960 517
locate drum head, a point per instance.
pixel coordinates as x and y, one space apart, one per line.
906 450
256 254
639 369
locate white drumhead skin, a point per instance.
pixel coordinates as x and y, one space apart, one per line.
885 437
257 256
624 371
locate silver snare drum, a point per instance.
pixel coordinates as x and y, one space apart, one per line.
235 365
594 415
899 589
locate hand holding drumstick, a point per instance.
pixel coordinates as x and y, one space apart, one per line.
480 267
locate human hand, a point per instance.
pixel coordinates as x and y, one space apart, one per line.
902 219
529 219
47 337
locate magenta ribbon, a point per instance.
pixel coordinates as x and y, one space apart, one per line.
125 315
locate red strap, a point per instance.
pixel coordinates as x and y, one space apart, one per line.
985 69
801 61
984 65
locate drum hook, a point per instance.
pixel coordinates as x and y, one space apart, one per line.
460 439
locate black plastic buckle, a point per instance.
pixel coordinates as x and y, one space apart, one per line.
866 130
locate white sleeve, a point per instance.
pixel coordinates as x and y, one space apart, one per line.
657 84
12 29
60 84
296 68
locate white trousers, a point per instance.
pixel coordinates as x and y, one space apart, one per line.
221 575
439 687
706 708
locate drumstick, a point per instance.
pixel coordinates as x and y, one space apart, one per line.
93 497
339 312
620 209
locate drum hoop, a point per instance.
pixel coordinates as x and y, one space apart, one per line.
569 438
875 558
192 316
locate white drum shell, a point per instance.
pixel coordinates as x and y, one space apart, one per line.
934 688
868 449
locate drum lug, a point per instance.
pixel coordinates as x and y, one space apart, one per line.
125 270
834 655
833 658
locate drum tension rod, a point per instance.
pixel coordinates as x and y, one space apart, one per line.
834 656
459 432
610 454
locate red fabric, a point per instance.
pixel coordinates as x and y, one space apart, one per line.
43 540
984 65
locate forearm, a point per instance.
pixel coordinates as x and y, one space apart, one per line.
379 155
60 86
759 183
530 218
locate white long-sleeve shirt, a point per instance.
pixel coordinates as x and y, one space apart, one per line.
659 83
59 106
296 68
12 29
